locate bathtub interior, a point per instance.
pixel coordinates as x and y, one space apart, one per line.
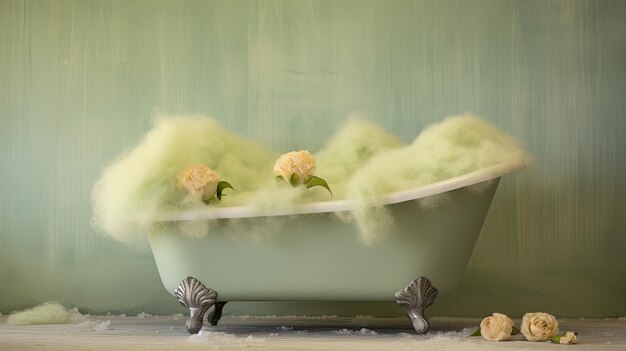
317 257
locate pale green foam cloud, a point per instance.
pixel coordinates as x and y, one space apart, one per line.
47 313
145 180
349 149
453 147
360 161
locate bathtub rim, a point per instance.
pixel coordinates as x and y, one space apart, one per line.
475 177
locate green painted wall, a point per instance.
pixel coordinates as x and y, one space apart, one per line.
79 81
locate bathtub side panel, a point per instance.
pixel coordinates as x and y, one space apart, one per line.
319 257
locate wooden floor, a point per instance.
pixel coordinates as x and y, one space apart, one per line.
290 333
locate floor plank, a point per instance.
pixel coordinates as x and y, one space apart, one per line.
289 333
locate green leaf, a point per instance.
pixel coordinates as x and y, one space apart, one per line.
556 339
515 331
317 181
294 179
220 188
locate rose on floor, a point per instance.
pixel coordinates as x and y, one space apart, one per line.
497 327
537 326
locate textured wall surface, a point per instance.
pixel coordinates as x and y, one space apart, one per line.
79 81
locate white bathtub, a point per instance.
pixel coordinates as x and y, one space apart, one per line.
314 256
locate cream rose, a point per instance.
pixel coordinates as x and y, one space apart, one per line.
200 181
539 326
300 163
568 338
496 327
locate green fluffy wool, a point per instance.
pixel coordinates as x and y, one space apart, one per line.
360 161
453 147
145 180
350 148
46 313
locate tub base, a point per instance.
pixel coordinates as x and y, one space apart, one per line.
199 299
414 299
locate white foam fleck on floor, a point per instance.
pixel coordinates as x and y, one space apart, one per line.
365 331
102 326
95 325
215 337
362 331
343 331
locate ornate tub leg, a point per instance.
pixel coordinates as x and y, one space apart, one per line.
414 299
192 294
216 313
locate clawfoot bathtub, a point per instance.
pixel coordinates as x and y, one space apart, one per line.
312 255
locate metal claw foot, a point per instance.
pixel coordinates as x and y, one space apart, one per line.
192 294
216 312
414 299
